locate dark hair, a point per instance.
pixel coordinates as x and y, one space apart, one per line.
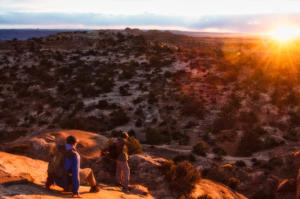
71 140
124 134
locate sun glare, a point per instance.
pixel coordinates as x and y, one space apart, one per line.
285 33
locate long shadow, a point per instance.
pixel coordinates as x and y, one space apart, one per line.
35 190
31 188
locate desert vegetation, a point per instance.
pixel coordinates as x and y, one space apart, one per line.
208 101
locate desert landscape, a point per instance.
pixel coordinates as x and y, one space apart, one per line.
221 111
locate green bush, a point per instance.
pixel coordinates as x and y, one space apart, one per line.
223 122
103 104
273 163
215 174
192 107
261 194
138 123
248 117
240 163
291 135
134 146
124 90
156 136
233 183
118 118
86 124
180 158
201 148
219 151
182 177
270 143
249 143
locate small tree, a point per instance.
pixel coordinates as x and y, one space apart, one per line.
182 177
134 146
200 148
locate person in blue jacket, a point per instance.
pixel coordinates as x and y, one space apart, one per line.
73 174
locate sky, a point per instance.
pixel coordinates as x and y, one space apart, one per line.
243 16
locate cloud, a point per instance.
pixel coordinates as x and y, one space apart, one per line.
234 23
17 18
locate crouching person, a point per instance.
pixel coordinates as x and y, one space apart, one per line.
64 169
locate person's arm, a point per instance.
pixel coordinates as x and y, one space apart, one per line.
75 175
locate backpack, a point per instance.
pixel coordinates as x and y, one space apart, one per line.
115 148
56 164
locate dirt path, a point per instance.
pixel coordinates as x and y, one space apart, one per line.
186 150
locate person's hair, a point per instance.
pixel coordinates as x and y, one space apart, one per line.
124 134
71 140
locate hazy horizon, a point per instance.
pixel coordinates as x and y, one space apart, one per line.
231 16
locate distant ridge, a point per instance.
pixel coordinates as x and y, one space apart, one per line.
23 34
215 34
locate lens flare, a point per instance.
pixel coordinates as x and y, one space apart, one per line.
285 33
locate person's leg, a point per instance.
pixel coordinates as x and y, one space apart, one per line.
87 176
49 181
118 172
126 174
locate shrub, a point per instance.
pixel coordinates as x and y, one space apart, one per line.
152 98
261 194
248 117
219 151
180 158
182 177
259 131
273 163
191 107
124 90
233 183
240 163
134 146
291 135
270 143
249 144
86 124
224 121
215 174
201 148
106 84
294 118
118 118
184 140
131 132
190 124
156 136
138 123
103 104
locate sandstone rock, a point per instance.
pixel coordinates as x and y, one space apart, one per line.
298 186
287 185
23 177
145 170
39 146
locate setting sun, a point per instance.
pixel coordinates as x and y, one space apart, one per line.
285 33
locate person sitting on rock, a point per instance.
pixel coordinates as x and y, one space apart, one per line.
64 169
122 167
